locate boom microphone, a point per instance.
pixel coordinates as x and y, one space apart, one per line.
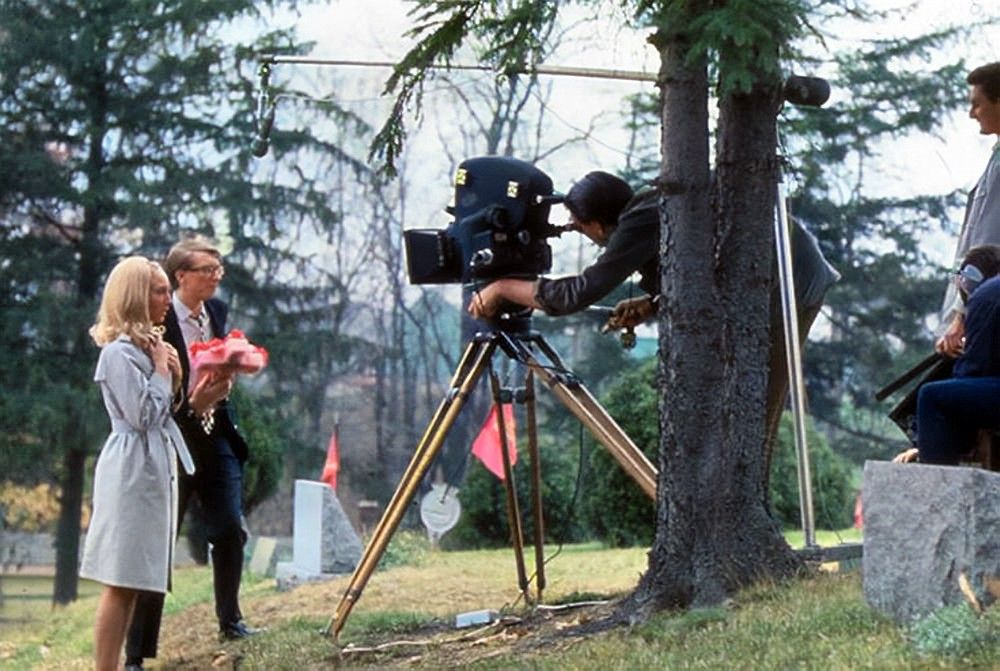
807 91
261 142
265 113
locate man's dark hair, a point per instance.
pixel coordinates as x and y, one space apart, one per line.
598 196
987 77
984 257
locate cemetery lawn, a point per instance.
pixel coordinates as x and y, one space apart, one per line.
404 620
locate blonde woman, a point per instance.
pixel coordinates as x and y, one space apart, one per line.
129 545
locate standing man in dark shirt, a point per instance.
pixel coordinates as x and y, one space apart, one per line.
951 412
195 269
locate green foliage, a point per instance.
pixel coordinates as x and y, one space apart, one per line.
615 509
833 480
952 631
266 436
406 548
484 522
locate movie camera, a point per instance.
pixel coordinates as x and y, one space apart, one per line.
500 226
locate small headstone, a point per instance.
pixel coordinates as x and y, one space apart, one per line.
265 556
925 527
324 543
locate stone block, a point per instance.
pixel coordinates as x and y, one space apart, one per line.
926 527
323 541
265 556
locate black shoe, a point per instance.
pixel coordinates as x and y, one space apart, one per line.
133 667
236 631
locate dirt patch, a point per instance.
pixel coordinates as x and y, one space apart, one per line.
189 639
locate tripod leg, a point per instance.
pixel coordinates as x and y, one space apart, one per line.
477 355
513 510
536 482
581 403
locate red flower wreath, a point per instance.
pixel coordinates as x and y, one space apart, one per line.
233 354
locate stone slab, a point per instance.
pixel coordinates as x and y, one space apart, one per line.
264 557
925 527
324 544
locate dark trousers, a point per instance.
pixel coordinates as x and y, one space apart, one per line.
218 484
950 414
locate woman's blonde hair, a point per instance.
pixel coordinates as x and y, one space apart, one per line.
125 304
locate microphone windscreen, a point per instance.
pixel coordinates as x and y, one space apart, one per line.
259 147
808 91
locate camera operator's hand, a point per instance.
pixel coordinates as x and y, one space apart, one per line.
953 341
486 302
629 313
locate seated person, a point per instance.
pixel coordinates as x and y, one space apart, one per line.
951 412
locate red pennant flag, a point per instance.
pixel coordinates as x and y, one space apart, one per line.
332 465
487 444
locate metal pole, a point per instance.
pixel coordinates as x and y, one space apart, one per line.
793 355
554 70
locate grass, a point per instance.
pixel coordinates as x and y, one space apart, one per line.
821 622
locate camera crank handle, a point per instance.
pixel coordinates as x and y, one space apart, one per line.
627 337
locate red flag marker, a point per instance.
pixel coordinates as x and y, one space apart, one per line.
487 445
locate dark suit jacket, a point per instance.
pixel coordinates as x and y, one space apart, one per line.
202 445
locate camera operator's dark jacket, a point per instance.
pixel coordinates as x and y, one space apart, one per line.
634 245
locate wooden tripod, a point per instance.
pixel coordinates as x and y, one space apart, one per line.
526 348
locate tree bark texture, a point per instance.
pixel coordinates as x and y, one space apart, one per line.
713 531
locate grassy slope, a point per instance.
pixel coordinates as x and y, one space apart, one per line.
817 623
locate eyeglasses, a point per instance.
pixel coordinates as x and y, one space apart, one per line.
969 277
216 270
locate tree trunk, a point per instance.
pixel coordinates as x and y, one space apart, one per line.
713 532
64 589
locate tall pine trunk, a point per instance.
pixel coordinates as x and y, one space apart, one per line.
713 531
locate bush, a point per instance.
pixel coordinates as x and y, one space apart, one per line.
618 513
953 631
484 504
615 510
833 487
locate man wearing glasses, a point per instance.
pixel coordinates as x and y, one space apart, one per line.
203 414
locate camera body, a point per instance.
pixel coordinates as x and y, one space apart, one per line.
499 230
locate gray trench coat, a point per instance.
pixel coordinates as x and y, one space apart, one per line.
131 536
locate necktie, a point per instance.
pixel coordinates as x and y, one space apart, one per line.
208 419
202 323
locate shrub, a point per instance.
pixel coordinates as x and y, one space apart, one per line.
833 486
952 631
615 510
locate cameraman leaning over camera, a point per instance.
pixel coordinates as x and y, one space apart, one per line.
604 208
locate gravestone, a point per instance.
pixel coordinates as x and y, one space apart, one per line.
264 557
324 543
928 530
